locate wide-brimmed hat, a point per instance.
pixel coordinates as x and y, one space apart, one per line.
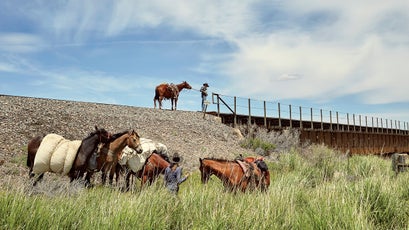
176 158
205 84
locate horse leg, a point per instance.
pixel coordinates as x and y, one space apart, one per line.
103 177
88 179
160 102
127 185
176 102
30 173
111 177
38 179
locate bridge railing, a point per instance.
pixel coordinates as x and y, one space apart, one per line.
238 106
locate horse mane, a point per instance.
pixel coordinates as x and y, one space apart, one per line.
163 155
218 159
117 135
95 132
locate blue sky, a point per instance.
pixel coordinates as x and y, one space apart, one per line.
347 56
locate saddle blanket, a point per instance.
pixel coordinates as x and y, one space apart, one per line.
135 161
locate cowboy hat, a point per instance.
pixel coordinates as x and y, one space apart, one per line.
176 158
205 84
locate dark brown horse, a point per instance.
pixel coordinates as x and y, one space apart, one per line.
169 91
82 158
109 153
231 174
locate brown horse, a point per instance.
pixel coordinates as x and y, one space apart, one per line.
109 153
169 91
82 158
231 174
154 165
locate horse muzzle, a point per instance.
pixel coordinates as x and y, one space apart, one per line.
138 149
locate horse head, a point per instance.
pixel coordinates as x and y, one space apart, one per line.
103 135
204 174
134 142
186 85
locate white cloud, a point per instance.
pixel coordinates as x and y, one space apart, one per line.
20 42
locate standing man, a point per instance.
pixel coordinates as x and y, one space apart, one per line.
173 174
203 90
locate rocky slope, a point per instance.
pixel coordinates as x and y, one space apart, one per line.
188 133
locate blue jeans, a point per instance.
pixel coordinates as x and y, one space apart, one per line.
203 103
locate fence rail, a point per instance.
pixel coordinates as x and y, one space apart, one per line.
302 117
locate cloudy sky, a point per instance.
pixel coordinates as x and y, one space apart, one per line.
347 56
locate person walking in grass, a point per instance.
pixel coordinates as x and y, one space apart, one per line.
173 174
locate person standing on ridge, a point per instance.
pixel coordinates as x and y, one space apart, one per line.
203 90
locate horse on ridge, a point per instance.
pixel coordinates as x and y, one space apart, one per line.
169 91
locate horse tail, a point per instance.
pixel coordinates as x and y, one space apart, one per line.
32 148
156 94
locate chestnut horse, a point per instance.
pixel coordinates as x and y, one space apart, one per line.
109 153
82 158
231 174
169 91
154 165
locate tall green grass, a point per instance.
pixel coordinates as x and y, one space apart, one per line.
313 188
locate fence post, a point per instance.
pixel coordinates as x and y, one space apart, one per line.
391 126
377 125
348 122
265 115
360 124
291 122
337 121
322 124
279 115
330 120
353 120
249 121
366 124
218 105
235 112
300 118
312 119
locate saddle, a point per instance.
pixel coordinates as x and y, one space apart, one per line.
173 90
248 167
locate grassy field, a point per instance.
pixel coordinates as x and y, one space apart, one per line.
312 188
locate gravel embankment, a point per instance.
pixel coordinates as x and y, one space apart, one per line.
22 118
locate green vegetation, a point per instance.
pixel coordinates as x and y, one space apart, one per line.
312 188
254 143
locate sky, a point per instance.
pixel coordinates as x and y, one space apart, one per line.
347 56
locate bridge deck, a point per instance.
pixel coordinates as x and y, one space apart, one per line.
344 137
